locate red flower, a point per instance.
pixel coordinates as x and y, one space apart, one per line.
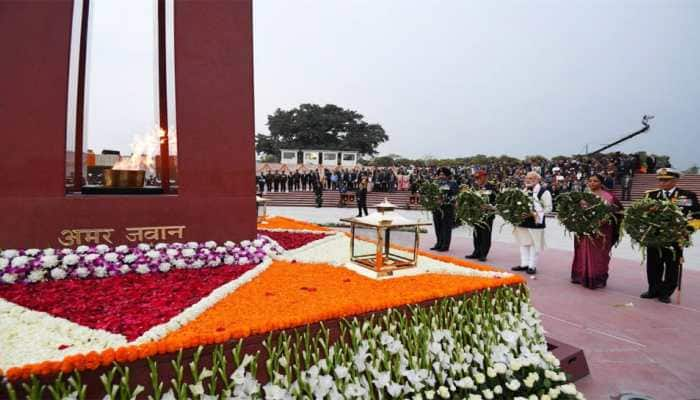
292 240
129 304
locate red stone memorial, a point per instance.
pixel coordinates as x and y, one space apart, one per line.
214 199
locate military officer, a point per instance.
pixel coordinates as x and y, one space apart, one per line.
482 233
444 217
663 263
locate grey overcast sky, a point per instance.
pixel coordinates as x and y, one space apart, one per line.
459 77
444 78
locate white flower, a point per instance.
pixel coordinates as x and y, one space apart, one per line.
497 389
554 392
515 365
9 278
188 252
245 243
102 248
430 394
569 388
111 257
210 244
124 269
70 259
229 244
82 249
172 252
100 272
474 397
509 337
197 264
479 378
10 253
142 269
32 252
394 389
4 262
161 246
192 245
144 246
500 368
340 372
164 267
513 385
488 394
229 260
220 250
91 257
274 392
153 254
545 397
465 383
258 243
243 260
49 252
532 397
66 251
122 249
82 272
197 389
129 258
19 261
355 390
58 273
444 392
36 275
179 263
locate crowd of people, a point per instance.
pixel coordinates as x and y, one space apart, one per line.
558 175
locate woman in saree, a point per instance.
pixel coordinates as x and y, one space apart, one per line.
592 253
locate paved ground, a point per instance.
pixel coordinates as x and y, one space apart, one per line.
631 344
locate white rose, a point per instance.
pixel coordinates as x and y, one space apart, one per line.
19 261
82 272
129 258
164 267
4 262
245 243
229 260
144 246
91 257
153 254
100 272
220 250
70 259
142 269
58 273
102 248
210 244
82 249
188 252
36 275
243 260
49 261
32 252
124 269
111 257
11 253
49 252
122 249
192 245
9 278
229 244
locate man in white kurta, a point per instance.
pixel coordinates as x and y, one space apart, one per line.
530 234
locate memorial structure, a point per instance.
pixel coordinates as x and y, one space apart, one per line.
214 96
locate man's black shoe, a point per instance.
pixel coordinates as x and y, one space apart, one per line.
531 271
518 268
648 295
471 256
664 299
436 247
443 249
482 259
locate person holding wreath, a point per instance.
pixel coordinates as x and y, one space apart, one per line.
444 215
592 252
664 263
530 233
482 233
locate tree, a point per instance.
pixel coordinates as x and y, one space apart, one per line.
311 126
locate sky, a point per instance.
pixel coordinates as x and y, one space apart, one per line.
446 78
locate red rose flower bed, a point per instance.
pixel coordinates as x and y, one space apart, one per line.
292 240
129 304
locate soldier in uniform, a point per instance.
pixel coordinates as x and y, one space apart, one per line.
444 217
663 263
482 233
268 181
276 181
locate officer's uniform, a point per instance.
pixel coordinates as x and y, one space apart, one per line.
482 233
444 218
663 263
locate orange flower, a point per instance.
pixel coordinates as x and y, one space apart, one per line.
289 224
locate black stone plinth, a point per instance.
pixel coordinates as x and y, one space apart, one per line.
117 190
